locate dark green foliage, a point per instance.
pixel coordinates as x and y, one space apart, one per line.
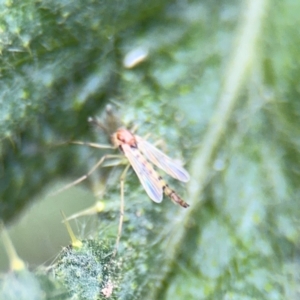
240 139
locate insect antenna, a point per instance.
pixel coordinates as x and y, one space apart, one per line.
111 122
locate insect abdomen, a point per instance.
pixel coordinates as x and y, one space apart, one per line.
174 196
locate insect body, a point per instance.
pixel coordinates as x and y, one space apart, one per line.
134 148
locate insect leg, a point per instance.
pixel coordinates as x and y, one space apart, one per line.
122 180
99 206
93 145
88 173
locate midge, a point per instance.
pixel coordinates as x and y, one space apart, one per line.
134 147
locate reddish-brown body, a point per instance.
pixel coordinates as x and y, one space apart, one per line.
124 137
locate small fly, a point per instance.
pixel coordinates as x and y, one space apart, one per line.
136 149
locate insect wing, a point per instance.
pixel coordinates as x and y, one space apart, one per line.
162 161
145 172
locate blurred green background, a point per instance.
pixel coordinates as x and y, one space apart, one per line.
218 82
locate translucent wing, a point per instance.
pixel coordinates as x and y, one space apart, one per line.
162 161
145 172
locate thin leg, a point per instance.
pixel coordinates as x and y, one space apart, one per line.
115 163
93 145
96 122
122 180
87 174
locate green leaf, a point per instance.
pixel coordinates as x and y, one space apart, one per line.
218 83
